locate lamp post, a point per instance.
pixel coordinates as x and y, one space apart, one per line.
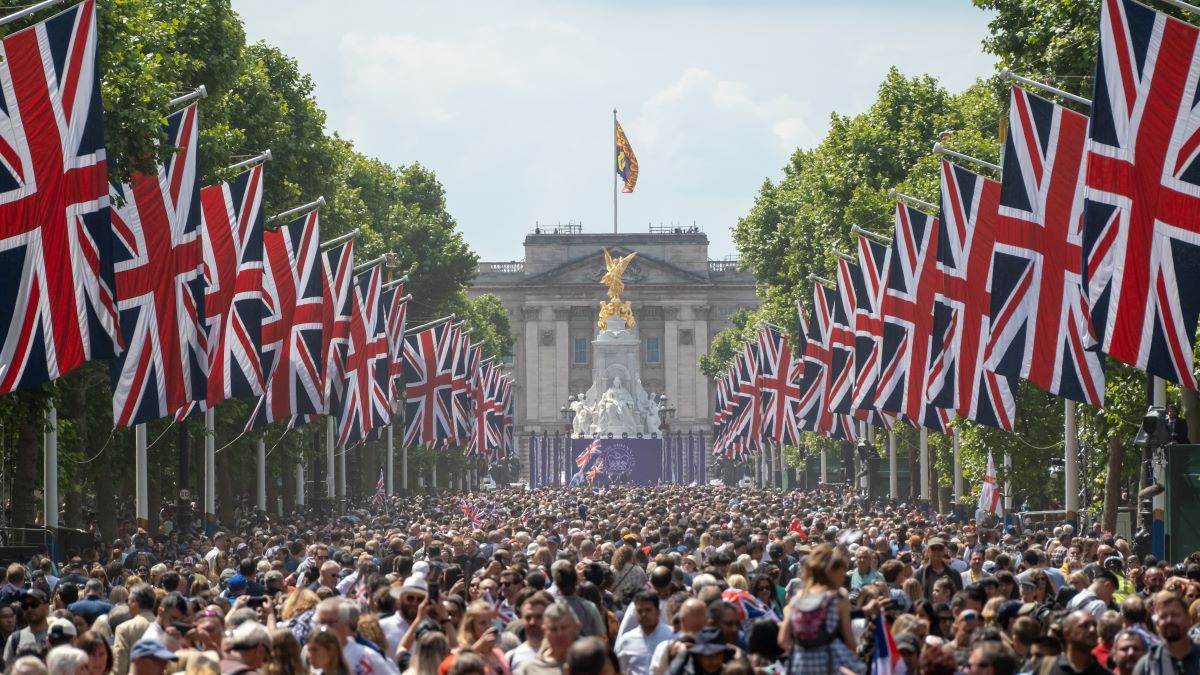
568 412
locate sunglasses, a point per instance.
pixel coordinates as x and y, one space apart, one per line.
31 605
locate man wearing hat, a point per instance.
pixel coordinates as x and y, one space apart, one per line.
61 632
150 657
248 649
709 654
34 637
909 647
935 568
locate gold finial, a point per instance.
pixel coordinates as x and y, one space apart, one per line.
614 306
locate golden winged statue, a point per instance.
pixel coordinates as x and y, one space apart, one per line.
612 277
614 306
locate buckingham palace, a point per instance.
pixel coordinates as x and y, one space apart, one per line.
680 299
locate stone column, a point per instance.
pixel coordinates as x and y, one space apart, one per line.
704 401
671 354
561 384
531 317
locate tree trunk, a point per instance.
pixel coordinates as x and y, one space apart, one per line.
1112 482
28 455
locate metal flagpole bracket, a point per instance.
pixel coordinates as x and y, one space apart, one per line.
1007 74
198 92
871 235
431 324
821 280
32 9
359 269
353 234
396 282
939 149
265 156
846 256
490 358
913 201
303 208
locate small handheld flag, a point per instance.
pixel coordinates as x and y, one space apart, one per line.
887 659
627 165
989 496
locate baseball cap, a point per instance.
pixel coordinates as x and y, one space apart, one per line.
273 575
60 630
151 648
935 541
415 582
35 593
907 642
237 583
710 641
249 635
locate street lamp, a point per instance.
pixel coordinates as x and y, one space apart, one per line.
568 413
666 412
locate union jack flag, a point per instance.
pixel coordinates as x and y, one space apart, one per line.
1039 321
292 329
813 413
743 433
160 287
465 372
337 265
958 377
56 251
485 437
908 321
841 342
1142 210
506 418
366 406
584 457
428 381
395 304
595 471
471 512
233 268
749 607
379 499
871 282
779 379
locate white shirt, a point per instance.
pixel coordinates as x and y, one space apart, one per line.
366 661
520 654
629 620
394 627
635 648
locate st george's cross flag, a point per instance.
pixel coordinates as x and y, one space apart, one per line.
1141 213
958 377
292 330
1039 320
989 496
57 307
160 284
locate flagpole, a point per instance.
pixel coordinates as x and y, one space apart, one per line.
261 473
1070 461
893 479
614 170
957 468
924 464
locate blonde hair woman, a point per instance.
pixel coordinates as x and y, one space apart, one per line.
430 650
325 653
478 634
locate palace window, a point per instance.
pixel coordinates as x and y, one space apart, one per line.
653 350
579 354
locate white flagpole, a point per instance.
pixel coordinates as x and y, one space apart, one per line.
614 170
924 463
50 489
1071 461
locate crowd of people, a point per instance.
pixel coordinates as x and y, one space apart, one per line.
632 580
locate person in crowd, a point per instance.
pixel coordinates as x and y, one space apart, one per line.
150 657
635 648
33 638
864 569
533 610
561 629
816 624
324 653
1128 648
1177 653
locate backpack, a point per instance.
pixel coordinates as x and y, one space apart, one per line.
808 620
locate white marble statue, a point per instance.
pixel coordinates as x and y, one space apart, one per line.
616 413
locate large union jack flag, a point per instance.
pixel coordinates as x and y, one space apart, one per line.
428 387
486 414
958 377
745 430
233 268
813 410
466 370
507 418
366 404
1039 323
840 396
292 330
1142 208
160 285
57 307
908 321
395 305
779 377
337 306
873 263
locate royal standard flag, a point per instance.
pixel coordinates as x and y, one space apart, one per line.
627 167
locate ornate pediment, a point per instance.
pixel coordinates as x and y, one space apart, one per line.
587 270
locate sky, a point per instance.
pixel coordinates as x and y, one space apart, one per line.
510 102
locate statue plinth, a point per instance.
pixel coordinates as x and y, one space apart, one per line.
616 403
